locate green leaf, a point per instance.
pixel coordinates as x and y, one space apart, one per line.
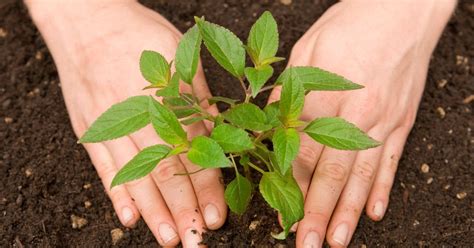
291 100
206 153
232 139
142 164
272 111
187 54
258 77
215 99
238 194
271 60
166 124
192 120
119 120
224 46
337 133
263 38
247 116
172 89
284 195
179 106
314 78
154 68
286 143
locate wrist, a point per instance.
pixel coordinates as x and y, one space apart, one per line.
49 12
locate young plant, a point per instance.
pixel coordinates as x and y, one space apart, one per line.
243 132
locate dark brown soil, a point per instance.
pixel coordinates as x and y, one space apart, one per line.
44 171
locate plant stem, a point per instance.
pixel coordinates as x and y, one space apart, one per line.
256 168
188 173
270 87
233 162
255 154
246 90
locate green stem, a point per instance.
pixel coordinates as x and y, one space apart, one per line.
233 162
255 154
256 168
246 90
270 87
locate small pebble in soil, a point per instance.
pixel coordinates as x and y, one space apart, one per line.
117 235
461 60
429 180
28 172
253 225
447 186
286 2
6 103
442 83
416 223
3 33
450 131
441 112
468 99
363 246
87 204
429 147
87 186
425 168
78 222
8 120
39 55
461 195
19 200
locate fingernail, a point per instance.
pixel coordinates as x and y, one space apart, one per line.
379 209
192 238
211 215
340 234
127 215
311 240
167 233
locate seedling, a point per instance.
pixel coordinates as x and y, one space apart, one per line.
243 132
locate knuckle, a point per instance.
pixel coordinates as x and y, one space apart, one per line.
333 170
364 170
187 213
165 171
314 217
306 158
104 169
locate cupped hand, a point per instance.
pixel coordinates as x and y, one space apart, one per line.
97 49
386 47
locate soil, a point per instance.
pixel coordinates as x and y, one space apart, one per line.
47 177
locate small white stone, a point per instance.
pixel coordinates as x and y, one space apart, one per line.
429 181
78 222
425 168
253 225
117 235
461 195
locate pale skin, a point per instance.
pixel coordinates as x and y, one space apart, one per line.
383 45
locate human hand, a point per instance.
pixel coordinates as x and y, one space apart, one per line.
386 47
96 46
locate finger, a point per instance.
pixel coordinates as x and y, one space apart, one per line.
106 169
176 190
208 186
327 183
379 195
354 196
146 195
